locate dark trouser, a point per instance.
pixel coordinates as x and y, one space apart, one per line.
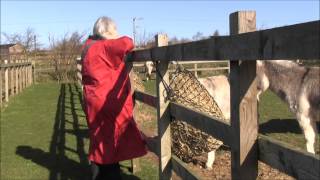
105 171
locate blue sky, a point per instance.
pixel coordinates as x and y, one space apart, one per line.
176 18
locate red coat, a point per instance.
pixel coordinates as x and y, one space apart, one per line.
113 133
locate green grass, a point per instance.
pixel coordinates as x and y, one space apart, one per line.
44 136
279 123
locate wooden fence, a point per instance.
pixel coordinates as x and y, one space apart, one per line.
193 66
243 47
14 77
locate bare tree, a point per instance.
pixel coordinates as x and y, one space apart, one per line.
146 40
175 40
64 51
216 33
27 39
198 36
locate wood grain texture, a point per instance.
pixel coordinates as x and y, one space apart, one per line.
146 98
290 160
182 170
244 120
1 95
299 41
214 127
6 83
163 115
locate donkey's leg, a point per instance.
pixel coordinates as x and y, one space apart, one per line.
306 123
211 158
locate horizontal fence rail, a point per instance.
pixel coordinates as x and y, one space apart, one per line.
219 66
292 161
300 41
214 127
146 98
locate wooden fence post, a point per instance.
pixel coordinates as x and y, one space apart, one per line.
196 69
1 86
34 78
31 73
244 152
163 114
17 78
28 74
16 71
6 85
12 80
79 75
20 77
135 163
24 75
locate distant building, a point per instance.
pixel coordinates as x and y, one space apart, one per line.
11 51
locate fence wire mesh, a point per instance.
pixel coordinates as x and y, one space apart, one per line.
188 143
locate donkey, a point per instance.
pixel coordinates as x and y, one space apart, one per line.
299 87
219 88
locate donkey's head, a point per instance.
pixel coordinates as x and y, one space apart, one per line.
262 79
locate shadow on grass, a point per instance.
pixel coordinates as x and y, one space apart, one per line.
56 161
281 126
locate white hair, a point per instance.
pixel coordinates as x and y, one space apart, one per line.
102 25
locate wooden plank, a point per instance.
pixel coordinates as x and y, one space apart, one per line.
1 76
163 115
9 65
182 169
6 83
79 67
16 79
23 68
27 78
244 153
34 73
146 98
299 41
195 70
202 62
290 160
141 55
214 127
135 165
46 70
20 78
79 76
152 144
207 69
138 65
12 81
31 74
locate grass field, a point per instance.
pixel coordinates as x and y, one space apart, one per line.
44 133
44 136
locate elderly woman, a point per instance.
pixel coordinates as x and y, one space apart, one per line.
114 135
